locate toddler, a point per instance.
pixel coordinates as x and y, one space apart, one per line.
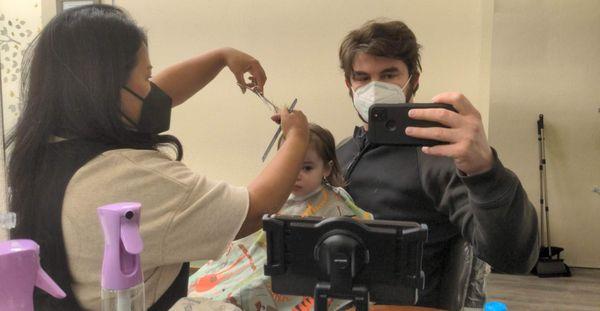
238 276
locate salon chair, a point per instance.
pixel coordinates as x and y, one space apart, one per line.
462 285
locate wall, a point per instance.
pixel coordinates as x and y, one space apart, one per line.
225 132
546 59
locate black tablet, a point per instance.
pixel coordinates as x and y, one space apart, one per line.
344 256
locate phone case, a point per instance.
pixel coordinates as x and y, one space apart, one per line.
388 122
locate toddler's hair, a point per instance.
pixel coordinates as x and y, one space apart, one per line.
322 141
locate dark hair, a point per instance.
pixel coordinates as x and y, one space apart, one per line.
72 77
392 39
323 142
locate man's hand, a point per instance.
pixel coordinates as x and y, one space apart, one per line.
465 135
240 63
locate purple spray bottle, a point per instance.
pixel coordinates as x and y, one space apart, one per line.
20 271
122 280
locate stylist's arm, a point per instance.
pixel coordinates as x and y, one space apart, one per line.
269 190
184 79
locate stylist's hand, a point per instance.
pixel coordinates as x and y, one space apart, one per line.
292 123
467 143
240 63
269 190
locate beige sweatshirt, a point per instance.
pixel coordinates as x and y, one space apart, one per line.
185 217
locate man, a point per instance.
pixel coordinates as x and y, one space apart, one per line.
460 188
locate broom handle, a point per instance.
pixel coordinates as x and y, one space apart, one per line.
543 185
541 169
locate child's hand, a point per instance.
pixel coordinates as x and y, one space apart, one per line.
292 123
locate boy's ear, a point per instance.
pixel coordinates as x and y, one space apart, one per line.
414 86
349 86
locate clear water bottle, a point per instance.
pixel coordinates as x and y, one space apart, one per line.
122 280
8 220
123 300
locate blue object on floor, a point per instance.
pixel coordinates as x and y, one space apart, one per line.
494 306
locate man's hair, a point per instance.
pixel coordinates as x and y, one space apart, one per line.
392 39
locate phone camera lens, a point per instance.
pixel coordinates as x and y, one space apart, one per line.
129 215
390 125
379 115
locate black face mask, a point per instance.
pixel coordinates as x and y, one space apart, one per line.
156 111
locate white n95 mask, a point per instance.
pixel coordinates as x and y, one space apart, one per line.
377 92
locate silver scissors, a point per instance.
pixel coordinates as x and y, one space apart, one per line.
262 98
272 142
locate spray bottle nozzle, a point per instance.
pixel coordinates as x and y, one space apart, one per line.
46 283
123 245
130 235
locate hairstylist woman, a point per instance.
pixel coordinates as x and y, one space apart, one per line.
88 136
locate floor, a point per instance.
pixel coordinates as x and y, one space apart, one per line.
579 292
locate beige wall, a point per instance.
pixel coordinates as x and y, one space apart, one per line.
546 59
225 132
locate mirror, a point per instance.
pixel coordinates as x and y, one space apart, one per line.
512 59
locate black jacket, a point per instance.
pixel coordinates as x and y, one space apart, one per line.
490 210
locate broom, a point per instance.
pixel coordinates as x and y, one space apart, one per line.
549 263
